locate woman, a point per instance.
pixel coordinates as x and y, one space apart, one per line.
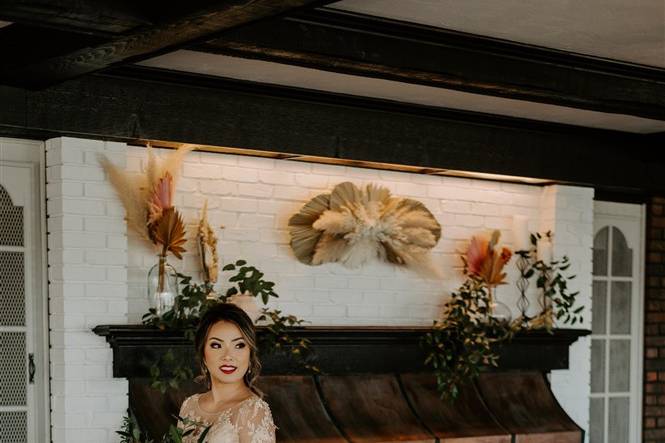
232 409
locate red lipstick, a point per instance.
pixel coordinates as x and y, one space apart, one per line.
227 369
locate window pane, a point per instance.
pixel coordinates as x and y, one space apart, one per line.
622 256
599 308
597 365
619 365
597 421
600 247
618 420
12 289
11 221
13 427
620 307
12 369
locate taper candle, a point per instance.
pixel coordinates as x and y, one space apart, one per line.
521 235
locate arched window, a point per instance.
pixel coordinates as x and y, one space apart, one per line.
614 338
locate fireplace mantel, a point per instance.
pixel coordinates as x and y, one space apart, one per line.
339 349
373 387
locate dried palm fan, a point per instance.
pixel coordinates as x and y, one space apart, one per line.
353 226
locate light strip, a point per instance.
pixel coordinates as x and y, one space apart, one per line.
347 162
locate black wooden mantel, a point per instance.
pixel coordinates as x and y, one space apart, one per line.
339 350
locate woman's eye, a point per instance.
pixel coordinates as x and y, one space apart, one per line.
215 345
240 345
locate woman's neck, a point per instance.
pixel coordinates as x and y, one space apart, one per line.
222 393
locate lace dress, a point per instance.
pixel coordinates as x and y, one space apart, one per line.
249 421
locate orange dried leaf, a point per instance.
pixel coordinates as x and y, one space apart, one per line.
169 231
485 261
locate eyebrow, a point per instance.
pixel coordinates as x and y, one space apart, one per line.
219 339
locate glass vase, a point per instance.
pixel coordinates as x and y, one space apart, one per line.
162 286
497 309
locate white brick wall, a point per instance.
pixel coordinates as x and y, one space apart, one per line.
87 286
98 271
568 212
254 198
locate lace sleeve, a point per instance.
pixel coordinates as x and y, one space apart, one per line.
184 411
256 425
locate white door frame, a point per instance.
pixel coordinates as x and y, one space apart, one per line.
621 214
30 154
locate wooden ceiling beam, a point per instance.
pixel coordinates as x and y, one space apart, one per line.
99 17
362 45
142 103
207 18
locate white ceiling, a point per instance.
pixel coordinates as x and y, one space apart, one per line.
275 73
627 30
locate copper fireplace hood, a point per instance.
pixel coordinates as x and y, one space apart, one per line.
374 388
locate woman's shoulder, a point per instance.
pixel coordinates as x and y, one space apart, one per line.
192 399
255 405
256 417
257 401
190 403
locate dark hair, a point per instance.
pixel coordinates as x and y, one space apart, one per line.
233 314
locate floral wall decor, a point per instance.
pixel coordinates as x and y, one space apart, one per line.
352 226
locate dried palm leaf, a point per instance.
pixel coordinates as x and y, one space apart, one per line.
354 226
345 194
303 236
169 232
161 198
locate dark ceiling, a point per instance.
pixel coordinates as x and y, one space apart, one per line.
67 57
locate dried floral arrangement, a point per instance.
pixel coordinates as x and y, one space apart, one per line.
148 202
467 337
464 340
148 198
352 226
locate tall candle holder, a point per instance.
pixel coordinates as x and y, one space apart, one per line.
523 264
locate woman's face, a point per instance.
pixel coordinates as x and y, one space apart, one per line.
226 353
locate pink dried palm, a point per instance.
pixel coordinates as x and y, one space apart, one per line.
485 261
161 198
165 225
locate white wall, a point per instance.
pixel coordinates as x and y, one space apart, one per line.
568 212
87 286
254 198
